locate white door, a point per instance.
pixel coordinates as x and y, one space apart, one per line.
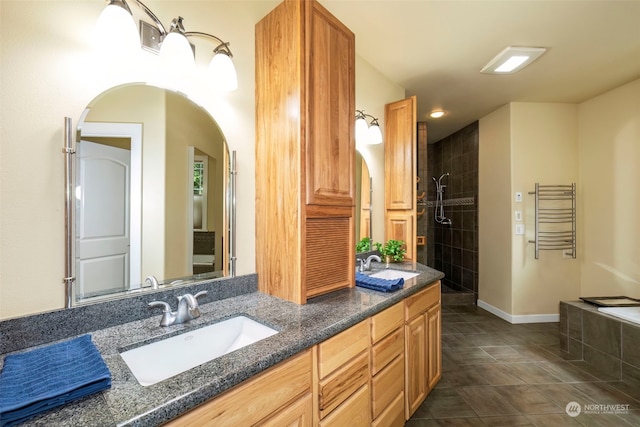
103 231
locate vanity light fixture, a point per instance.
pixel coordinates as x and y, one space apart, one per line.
173 46
367 133
513 59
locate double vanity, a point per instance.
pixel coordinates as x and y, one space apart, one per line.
340 352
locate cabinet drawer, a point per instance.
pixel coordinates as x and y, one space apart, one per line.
337 350
386 350
420 302
298 414
386 321
337 387
387 385
354 412
393 416
250 401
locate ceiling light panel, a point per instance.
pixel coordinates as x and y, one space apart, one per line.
513 59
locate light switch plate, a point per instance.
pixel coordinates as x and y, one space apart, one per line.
518 196
518 215
519 229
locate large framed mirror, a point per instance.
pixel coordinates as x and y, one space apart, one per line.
152 194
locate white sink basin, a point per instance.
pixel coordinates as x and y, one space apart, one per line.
160 360
395 274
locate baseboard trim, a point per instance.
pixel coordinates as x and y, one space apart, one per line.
519 318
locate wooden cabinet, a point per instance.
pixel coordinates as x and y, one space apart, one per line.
279 396
305 151
343 376
423 364
400 173
387 367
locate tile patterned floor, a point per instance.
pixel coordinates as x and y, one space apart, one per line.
498 374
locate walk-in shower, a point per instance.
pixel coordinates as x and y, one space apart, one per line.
438 213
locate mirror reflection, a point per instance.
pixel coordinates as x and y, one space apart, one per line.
151 193
363 201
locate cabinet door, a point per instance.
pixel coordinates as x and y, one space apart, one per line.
330 131
416 364
434 347
399 225
400 171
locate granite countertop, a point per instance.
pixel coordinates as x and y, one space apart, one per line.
128 403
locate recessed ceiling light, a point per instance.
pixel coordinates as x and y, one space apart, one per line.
436 114
513 59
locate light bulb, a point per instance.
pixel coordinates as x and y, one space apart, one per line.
115 31
374 135
362 131
176 55
223 72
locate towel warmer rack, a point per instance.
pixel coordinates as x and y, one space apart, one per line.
555 218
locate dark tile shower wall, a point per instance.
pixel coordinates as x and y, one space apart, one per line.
452 249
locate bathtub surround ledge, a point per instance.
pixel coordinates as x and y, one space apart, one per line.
605 345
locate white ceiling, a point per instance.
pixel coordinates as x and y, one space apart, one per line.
436 48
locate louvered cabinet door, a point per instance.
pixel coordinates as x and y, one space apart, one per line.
329 246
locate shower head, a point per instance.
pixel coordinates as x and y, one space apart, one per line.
441 176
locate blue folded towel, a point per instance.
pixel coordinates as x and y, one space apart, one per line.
377 284
38 380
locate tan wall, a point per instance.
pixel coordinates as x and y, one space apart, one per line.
544 145
609 155
50 71
494 210
594 144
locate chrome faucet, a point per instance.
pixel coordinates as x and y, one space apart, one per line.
187 309
366 265
153 282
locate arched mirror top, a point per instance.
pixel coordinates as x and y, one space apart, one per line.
152 194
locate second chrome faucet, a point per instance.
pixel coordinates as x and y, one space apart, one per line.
366 265
187 309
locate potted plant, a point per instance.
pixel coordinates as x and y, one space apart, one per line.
393 250
367 245
364 245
